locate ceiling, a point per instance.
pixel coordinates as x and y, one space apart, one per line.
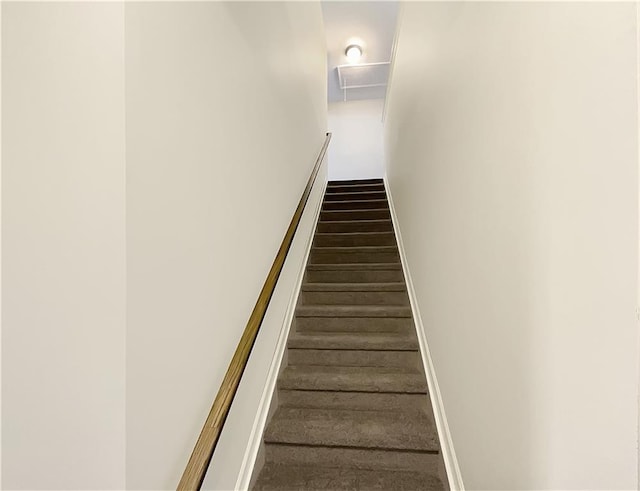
370 24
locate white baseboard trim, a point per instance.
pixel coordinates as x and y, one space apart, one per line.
446 443
255 439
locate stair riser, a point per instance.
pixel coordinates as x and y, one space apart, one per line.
352 457
354 298
356 182
354 276
348 358
354 196
355 240
355 429
275 477
365 226
355 188
353 324
330 216
353 379
352 258
354 400
354 205
357 341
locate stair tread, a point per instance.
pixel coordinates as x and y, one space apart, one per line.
353 311
353 379
332 184
275 477
390 430
384 401
354 195
354 341
354 249
358 210
354 266
363 234
396 286
356 214
371 180
331 191
359 222
360 201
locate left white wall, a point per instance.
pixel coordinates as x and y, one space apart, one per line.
226 114
222 126
63 250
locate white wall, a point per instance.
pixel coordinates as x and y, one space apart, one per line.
356 150
63 250
219 122
257 382
513 164
225 117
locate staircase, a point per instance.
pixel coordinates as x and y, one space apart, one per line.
352 409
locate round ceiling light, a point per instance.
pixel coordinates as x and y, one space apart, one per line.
353 52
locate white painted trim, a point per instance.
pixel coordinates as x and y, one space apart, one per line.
638 250
255 439
446 443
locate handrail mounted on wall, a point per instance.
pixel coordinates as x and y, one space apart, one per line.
201 456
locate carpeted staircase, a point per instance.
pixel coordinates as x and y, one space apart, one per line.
352 408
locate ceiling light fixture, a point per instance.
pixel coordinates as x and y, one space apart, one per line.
353 52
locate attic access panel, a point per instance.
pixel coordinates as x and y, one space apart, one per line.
363 75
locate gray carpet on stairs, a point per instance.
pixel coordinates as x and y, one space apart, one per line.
353 409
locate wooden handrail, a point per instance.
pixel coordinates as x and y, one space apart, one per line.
203 451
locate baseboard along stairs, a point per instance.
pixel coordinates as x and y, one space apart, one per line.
351 409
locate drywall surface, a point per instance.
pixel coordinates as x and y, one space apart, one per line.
356 150
512 159
225 116
223 472
63 249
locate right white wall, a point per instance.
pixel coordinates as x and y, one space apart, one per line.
512 142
